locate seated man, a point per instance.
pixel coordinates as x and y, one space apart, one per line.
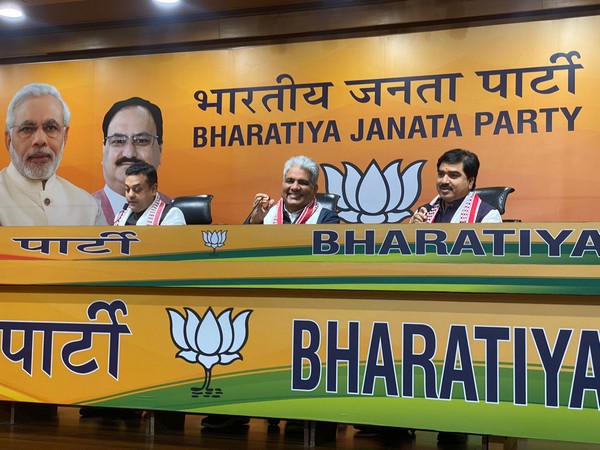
456 203
144 204
457 171
297 204
145 207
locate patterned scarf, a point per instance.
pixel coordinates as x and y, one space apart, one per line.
468 212
154 212
304 215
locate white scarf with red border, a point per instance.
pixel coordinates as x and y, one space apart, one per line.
466 212
309 213
150 217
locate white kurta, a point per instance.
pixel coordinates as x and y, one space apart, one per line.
24 202
174 217
271 217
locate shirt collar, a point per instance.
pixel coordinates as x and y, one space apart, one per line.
26 184
117 201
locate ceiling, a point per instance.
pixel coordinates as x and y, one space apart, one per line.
71 29
48 15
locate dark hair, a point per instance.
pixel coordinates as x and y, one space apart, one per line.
469 160
143 168
135 101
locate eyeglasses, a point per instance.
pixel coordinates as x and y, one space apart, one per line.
138 140
51 129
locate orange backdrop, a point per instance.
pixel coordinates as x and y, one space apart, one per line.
551 167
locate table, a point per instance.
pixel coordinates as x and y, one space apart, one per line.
487 329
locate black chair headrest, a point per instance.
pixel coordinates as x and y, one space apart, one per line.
495 196
195 208
329 201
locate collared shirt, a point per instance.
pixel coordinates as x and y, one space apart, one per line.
117 201
112 203
170 215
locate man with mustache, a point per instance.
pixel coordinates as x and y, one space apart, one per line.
133 133
144 204
37 128
456 203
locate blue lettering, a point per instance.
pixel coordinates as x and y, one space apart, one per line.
526 116
325 242
236 136
417 127
504 123
438 241
309 354
492 336
214 136
452 126
458 351
394 240
524 243
272 134
571 116
200 137
498 241
589 240
380 348
467 240
520 366
351 242
554 243
314 129
336 354
410 359
551 360
589 351
331 131
482 119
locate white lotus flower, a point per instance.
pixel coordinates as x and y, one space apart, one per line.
375 196
210 340
214 239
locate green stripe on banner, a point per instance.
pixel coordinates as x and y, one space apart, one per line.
268 394
539 255
530 285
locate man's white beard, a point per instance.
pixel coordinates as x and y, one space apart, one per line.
37 171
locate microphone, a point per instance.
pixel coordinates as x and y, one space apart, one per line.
255 207
427 206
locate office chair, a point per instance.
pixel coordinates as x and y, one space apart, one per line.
195 208
495 196
328 200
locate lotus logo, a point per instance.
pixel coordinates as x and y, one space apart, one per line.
214 239
210 340
375 196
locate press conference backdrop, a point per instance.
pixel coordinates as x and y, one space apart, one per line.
376 112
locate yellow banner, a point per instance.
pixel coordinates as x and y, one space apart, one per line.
516 366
